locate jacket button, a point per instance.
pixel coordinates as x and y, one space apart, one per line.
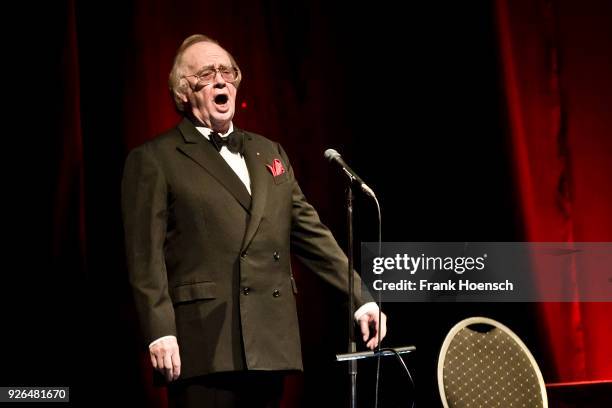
243 254
246 290
276 256
276 293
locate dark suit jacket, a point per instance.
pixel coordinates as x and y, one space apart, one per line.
209 263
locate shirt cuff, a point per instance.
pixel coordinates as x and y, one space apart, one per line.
165 337
366 308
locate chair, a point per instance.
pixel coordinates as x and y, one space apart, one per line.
483 364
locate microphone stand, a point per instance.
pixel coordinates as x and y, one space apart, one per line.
352 345
352 356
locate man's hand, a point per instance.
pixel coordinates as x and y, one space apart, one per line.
165 357
368 319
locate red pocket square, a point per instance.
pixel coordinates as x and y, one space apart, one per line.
276 168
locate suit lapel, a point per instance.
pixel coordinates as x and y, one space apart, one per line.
204 154
259 186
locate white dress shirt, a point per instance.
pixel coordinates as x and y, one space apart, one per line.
234 160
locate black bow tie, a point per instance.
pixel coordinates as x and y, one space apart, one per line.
233 142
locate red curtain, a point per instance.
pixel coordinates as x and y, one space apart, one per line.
69 215
556 58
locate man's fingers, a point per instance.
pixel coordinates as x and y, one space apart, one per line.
383 332
168 366
372 343
377 327
168 362
176 365
165 357
365 327
153 360
160 362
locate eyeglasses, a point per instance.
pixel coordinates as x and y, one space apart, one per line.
207 75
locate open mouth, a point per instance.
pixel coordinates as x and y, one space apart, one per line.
221 99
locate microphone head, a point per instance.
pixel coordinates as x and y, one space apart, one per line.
331 154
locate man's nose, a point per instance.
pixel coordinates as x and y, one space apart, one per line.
218 80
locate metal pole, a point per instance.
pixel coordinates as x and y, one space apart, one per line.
352 346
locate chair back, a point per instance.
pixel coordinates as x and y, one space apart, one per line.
483 363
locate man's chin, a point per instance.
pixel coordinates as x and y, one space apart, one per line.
222 117
221 124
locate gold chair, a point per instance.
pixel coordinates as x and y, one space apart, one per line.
483 364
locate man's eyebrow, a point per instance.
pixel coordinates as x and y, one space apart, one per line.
212 66
206 68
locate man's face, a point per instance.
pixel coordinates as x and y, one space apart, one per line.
214 103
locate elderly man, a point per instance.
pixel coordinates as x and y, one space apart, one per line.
210 213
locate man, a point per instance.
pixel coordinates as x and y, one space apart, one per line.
210 212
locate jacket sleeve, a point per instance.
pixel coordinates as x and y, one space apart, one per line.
145 210
315 246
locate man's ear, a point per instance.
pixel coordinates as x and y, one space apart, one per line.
181 96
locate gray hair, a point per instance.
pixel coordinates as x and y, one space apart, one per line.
175 84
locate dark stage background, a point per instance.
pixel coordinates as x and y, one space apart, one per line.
473 121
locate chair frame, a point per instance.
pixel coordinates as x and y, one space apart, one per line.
484 320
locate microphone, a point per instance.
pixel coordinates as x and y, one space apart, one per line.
333 156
